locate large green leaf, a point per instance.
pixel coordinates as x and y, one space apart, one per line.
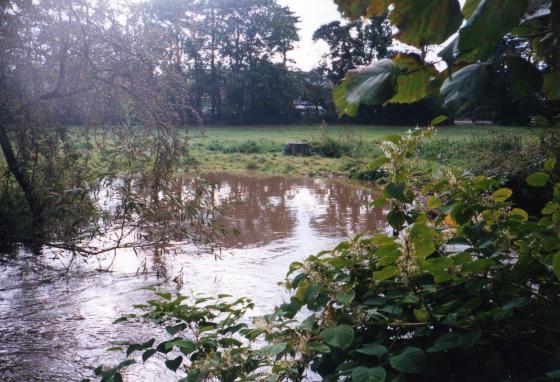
466 87
438 121
446 342
318 347
491 20
414 84
274 350
450 53
551 86
386 273
346 297
373 349
358 8
139 347
426 22
525 78
502 194
412 87
422 237
148 354
422 315
370 85
173 364
172 330
454 340
517 214
538 179
388 254
340 336
420 22
186 346
396 219
411 361
556 265
364 374
395 191
549 164
439 269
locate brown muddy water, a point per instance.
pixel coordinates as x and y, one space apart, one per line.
55 328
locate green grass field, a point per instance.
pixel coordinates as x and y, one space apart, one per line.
283 134
340 150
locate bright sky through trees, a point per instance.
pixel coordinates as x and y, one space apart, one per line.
312 14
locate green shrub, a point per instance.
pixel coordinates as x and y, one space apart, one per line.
357 170
252 165
510 158
244 147
485 154
330 148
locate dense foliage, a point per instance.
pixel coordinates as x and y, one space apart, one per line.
474 77
464 284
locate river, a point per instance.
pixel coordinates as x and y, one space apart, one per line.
55 325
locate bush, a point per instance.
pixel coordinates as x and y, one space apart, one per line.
358 171
501 155
252 165
330 148
245 147
510 158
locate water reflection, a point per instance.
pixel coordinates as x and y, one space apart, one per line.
272 208
52 329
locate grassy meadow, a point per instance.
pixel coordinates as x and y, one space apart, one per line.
346 150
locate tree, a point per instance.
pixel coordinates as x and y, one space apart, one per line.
354 44
283 32
69 61
252 39
219 46
37 70
316 88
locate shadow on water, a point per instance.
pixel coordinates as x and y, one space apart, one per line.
52 328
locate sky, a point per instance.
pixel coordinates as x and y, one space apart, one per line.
312 14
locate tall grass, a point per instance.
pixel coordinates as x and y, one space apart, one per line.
493 151
497 154
244 147
326 147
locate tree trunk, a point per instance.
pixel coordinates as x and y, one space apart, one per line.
21 177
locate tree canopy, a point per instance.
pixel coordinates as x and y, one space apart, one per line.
354 44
